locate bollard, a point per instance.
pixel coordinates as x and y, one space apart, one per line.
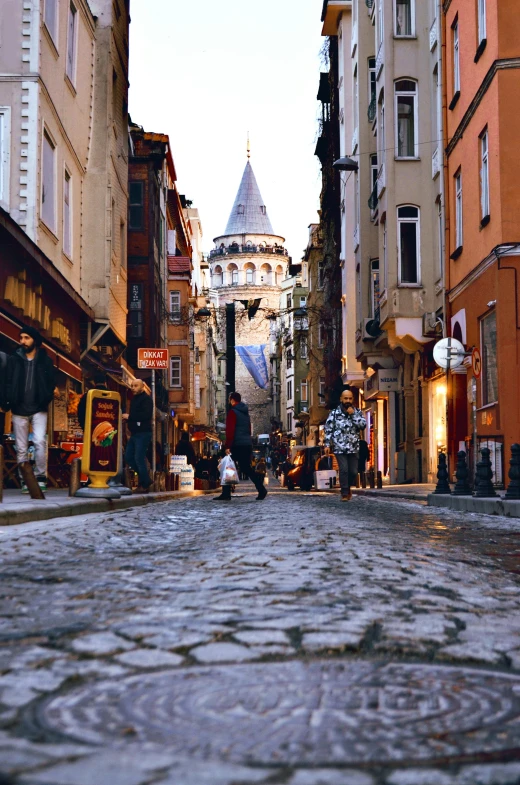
443 486
75 476
513 489
26 470
358 480
483 485
379 480
363 479
462 486
371 478
127 479
1 473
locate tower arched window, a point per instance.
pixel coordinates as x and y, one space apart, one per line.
217 276
240 209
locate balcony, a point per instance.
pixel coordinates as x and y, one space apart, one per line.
373 200
434 35
371 112
381 181
436 167
356 238
232 250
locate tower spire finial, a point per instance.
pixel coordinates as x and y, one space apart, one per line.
248 147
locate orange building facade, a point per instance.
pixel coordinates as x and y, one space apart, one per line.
482 177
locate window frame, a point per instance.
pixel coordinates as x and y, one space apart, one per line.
484 376
459 209
175 308
67 208
175 358
46 135
456 57
134 205
72 41
304 391
412 34
484 176
250 275
289 389
417 222
53 33
481 21
407 94
304 347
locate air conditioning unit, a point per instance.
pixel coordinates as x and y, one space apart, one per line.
106 351
371 329
304 408
430 324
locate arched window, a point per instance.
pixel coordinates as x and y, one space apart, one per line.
250 274
279 275
265 274
409 245
233 275
240 209
406 130
217 276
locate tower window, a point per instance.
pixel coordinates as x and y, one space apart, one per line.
240 209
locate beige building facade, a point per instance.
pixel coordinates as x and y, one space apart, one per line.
391 117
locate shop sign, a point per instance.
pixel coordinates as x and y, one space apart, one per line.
30 300
385 380
102 435
152 358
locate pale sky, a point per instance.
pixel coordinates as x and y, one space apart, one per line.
207 72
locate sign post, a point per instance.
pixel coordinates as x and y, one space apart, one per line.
153 359
102 436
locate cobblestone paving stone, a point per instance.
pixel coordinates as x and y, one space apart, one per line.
299 641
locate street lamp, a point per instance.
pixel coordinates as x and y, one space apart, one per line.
203 313
346 164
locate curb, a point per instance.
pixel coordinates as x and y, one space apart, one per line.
27 514
510 509
410 497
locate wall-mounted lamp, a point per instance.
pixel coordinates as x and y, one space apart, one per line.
346 164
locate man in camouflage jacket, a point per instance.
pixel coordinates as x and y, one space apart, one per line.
342 438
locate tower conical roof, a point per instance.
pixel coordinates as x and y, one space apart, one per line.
249 214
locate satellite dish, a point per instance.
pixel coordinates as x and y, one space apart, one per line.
449 353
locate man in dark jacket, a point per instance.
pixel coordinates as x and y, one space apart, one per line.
185 447
31 380
139 422
240 444
3 379
100 383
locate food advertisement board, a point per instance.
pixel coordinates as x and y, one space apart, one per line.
102 435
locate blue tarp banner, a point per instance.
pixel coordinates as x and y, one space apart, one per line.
253 358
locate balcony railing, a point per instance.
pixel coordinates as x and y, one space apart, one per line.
436 168
231 250
434 35
356 238
380 59
373 200
381 181
372 108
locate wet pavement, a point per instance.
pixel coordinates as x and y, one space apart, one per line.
295 641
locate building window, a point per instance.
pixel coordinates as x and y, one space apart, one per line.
374 287
5 147
136 311
321 389
51 18
456 58
406 118
175 372
484 175
217 276
197 391
304 349
385 256
440 232
234 277
135 206
321 334
122 242
404 17
250 275
289 390
481 20
240 209
175 306
48 212
408 245
303 302
72 43
381 132
458 211
67 215
372 81
321 274
289 422
488 328
304 394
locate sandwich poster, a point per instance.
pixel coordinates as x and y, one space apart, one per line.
104 435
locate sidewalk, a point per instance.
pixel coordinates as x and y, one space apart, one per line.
16 508
416 493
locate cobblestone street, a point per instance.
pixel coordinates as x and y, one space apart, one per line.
297 641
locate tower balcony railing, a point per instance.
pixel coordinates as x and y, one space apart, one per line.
233 249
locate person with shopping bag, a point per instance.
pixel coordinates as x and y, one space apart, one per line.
342 438
239 444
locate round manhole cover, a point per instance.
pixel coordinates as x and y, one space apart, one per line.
295 712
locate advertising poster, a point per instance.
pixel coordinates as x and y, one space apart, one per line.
104 435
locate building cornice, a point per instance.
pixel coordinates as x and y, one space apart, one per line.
498 65
511 249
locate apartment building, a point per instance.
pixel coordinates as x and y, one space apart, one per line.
481 87
389 88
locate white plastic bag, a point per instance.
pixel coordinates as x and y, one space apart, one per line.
228 471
